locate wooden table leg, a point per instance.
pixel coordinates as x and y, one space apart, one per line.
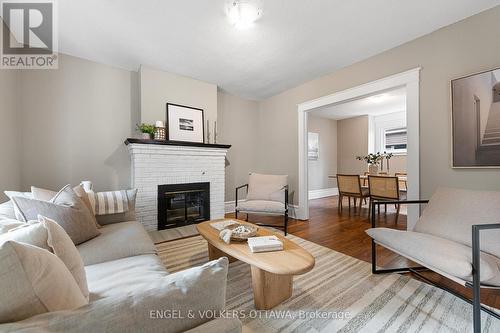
270 289
215 253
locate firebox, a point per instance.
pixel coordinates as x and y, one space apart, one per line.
183 204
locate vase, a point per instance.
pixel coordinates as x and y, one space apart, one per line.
145 136
373 169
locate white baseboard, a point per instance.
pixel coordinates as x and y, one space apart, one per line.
322 193
230 205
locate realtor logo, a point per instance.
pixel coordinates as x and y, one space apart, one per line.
28 35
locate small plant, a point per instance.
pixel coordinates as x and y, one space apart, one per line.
146 128
372 159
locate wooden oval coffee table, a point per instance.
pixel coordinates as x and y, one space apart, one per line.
272 272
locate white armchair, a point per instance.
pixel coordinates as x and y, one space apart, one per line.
266 194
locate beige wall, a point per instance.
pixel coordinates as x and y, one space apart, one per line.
326 164
352 138
159 88
460 49
10 135
238 124
74 121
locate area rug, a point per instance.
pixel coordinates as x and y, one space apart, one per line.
339 295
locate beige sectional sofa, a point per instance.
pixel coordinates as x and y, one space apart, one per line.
131 291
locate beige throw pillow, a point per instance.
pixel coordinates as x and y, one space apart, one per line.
34 281
66 209
50 236
48 195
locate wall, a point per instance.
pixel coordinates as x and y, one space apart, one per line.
326 164
352 138
74 121
238 124
10 135
159 88
454 51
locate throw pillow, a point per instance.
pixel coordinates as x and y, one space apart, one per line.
34 281
48 195
9 224
50 236
127 212
12 194
66 209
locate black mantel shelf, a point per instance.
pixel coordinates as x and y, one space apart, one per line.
176 143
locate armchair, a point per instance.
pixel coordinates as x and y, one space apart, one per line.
446 240
266 195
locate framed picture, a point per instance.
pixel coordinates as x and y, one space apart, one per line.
475 101
185 123
312 146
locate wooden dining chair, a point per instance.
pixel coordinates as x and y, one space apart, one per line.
385 188
402 183
350 187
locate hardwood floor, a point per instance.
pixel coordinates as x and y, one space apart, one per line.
345 232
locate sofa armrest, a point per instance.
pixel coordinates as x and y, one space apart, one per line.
175 303
219 325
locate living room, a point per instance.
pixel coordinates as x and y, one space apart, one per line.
182 129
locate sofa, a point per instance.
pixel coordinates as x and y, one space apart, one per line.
131 291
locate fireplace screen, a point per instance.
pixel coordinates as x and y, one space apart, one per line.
183 204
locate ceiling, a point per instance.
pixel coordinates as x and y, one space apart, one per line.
294 41
387 102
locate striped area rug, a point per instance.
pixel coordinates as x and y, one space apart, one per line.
339 295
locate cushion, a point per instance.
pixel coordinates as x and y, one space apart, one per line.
117 241
261 206
8 224
48 195
438 254
11 194
129 215
66 209
7 211
34 281
48 235
451 213
192 292
267 187
124 275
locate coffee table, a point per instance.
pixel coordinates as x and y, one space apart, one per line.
272 272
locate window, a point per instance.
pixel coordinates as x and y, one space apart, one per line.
395 140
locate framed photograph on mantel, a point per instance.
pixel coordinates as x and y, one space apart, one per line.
185 123
475 101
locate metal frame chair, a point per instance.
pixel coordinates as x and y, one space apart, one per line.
476 268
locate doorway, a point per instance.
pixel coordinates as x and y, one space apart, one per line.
409 83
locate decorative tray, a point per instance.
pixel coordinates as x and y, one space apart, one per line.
241 232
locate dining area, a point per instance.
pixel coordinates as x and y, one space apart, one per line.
362 189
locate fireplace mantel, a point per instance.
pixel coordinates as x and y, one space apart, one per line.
176 143
156 163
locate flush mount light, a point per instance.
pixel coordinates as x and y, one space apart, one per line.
243 13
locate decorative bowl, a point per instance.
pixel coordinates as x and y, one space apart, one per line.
241 232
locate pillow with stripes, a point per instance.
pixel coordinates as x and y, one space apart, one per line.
113 206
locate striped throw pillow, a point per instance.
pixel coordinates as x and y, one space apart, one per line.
111 202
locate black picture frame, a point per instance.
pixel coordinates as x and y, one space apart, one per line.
169 130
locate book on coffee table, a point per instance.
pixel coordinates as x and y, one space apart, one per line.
265 244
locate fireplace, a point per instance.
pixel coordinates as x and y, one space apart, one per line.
183 204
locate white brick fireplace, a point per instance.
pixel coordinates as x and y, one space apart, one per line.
168 163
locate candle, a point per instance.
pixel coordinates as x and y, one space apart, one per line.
208 131
215 131
159 123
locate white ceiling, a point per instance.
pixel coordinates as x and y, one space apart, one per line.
387 102
294 41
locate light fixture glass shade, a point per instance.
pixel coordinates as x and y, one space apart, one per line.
242 14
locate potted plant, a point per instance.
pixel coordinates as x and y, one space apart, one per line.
372 160
146 130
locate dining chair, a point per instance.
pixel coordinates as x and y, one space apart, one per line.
350 187
385 188
402 183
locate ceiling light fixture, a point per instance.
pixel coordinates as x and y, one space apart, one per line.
243 13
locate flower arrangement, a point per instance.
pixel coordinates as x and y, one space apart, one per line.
146 130
374 159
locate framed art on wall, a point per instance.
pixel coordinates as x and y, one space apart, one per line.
185 123
475 101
